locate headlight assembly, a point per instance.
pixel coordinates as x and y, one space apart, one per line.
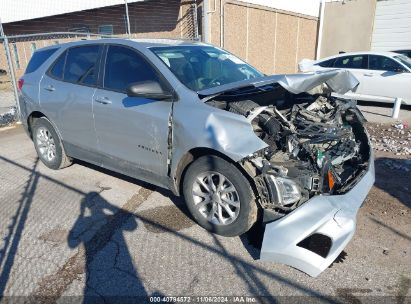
285 192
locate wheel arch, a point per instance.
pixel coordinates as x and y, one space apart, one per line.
31 119
188 158
36 115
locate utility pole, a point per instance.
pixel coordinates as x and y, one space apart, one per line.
195 19
320 29
1 29
128 19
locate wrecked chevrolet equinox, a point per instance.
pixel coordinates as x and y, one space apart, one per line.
237 144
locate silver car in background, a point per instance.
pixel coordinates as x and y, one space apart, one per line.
238 145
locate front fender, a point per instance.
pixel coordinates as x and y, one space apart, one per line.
199 125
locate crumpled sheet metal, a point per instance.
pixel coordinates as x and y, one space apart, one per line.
232 136
333 216
199 125
339 81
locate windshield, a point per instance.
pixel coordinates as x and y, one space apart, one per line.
204 67
404 60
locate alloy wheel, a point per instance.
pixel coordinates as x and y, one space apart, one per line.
45 144
216 198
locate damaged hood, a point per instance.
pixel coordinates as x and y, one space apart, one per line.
338 81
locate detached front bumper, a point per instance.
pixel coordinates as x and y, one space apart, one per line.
331 217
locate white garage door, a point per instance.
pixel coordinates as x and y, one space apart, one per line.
392 26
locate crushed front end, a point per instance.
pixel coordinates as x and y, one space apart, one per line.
311 180
313 148
313 175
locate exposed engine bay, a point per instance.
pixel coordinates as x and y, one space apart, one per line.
316 145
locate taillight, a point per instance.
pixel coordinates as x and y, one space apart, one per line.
20 83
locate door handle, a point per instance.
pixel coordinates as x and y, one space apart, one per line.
369 74
102 100
50 88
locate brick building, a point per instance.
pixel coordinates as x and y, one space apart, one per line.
272 35
153 19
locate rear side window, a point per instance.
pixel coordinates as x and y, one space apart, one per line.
124 67
81 65
351 62
38 58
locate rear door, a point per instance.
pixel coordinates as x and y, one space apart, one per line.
357 65
66 95
31 78
132 132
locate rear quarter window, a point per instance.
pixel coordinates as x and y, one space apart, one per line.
38 58
56 70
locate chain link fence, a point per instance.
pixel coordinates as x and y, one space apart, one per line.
146 19
7 98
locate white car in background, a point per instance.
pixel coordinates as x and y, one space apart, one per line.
383 76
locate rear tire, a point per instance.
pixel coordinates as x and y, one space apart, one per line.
219 196
48 145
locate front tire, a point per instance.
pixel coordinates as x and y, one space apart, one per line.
48 145
219 196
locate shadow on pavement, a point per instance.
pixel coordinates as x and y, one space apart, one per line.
98 245
109 267
16 227
392 175
395 231
253 239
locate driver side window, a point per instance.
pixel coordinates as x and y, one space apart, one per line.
382 63
124 67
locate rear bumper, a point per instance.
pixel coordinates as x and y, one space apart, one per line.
333 216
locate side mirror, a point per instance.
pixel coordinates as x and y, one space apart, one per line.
148 89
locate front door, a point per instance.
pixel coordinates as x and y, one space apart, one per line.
132 132
386 78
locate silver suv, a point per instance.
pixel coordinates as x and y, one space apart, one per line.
193 118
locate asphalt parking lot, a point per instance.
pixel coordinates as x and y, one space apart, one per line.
86 231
